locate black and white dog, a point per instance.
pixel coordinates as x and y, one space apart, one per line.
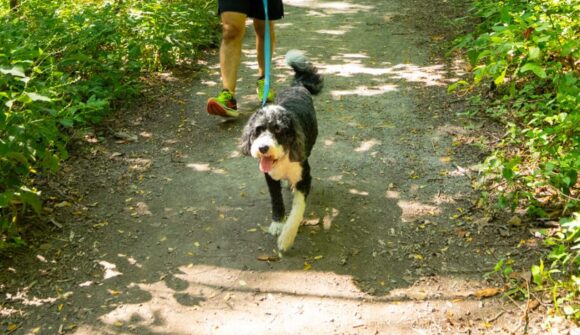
281 137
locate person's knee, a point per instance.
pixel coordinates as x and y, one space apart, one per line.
232 32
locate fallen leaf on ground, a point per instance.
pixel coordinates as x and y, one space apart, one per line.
488 292
114 293
533 304
487 325
268 258
63 204
515 221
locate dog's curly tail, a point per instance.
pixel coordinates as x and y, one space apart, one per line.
305 73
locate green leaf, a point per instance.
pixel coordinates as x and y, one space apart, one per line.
6 198
67 122
16 71
507 173
499 79
31 198
37 97
535 68
533 53
473 55
568 47
456 85
537 275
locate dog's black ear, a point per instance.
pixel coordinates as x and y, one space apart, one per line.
246 140
248 133
297 151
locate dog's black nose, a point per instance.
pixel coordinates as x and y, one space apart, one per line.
263 149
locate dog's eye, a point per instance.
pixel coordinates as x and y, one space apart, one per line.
259 129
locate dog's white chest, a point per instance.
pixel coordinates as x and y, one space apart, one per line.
286 170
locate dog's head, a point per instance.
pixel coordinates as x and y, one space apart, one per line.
272 133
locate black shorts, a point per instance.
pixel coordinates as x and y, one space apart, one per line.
253 8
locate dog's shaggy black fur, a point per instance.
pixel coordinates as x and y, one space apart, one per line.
282 136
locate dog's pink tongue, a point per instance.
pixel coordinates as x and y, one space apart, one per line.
266 164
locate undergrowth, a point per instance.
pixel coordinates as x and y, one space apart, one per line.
62 65
524 59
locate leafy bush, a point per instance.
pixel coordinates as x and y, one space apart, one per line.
556 276
62 64
528 52
561 277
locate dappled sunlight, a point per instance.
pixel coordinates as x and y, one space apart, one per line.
255 302
353 55
353 69
109 270
335 178
333 7
329 142
433 75
24 298
139 164
209 83
210 278
367 145
140 209
205 167
411 210
232 292
332 32
130 260
358 192
235 154
280 70
364 91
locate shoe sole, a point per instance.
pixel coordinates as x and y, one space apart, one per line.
215 108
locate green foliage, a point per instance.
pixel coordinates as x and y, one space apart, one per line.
62 64
561 278
556 277
528 53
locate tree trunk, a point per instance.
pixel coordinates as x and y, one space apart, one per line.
13 5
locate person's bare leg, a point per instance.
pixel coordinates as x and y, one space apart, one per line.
234 27
260 27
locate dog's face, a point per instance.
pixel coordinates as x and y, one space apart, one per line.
271 134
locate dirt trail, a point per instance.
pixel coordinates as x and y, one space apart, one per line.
169 229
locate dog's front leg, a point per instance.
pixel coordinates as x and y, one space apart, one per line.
275 189
290 230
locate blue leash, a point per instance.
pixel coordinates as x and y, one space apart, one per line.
267 54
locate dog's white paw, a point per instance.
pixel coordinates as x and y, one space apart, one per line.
276 228
286 239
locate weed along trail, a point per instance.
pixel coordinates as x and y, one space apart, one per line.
171 235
